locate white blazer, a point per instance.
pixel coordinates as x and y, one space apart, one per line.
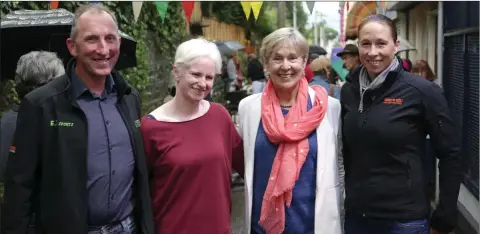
328 194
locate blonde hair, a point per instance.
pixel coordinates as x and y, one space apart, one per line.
321 65
289 36
195 48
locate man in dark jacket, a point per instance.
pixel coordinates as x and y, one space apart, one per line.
34 70
77 159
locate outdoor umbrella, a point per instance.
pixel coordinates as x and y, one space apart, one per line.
315 49
404 45
337 63
227 47
23 31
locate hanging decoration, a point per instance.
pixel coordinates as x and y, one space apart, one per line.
137 8
311 5
54 5
162 9
256 6
247 8
188 8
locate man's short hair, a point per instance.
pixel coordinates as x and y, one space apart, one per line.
94 7
35 69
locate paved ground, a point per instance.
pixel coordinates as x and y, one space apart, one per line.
238 210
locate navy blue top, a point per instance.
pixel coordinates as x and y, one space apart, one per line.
110 157
300 217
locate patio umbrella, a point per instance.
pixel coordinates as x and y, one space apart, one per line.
337 63
23 31
315 49
404 45
227 47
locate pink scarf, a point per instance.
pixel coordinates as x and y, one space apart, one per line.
291 134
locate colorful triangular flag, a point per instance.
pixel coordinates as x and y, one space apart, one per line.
162 9
137 8
256 6
247 8
188 8
53 5
310 5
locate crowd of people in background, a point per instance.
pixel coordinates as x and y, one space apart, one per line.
317 155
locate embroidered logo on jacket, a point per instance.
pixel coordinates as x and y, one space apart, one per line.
393 101
137 123
56 123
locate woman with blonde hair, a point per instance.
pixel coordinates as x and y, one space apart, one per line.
290 140
191 146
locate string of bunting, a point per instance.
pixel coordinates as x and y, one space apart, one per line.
188 7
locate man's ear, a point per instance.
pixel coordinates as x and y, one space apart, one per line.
71 47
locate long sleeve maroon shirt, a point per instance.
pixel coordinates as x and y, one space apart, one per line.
190 166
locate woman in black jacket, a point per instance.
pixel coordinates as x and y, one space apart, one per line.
386 115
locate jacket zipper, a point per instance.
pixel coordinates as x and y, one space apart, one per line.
84 119
134 150
409 181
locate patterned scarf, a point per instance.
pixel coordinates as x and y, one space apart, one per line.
366 84
290 132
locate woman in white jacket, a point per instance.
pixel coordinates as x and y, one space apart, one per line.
290 142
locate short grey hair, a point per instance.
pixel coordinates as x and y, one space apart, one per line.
289 36
195 48
91 7
35 69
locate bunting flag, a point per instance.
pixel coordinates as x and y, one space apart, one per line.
188 8
310 5
256 6
53 5
247 8
162 9
137 7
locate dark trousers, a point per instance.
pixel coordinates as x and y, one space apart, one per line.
357 224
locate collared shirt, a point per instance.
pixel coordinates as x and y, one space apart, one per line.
110 157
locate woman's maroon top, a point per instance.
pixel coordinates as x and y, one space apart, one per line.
190 166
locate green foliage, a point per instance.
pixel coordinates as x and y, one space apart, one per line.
166 37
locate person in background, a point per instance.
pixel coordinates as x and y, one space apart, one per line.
350 57
321 69
422 69
34 70
77 160
308 70
406 64
386 115
234 73
192 146
289 133
256 74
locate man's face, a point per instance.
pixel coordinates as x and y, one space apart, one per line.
96 45
350 61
